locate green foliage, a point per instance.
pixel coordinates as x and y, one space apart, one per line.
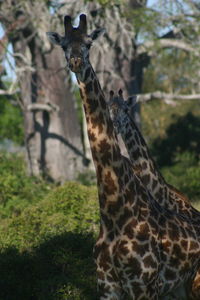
11 122
107 3
168 71
57 269
184 174
181 136
46 236
49 246
71 207
173 136
145 22
17 190
87 178
158 117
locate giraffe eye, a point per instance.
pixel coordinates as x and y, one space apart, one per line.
88 45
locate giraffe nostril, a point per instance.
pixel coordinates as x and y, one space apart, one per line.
75 61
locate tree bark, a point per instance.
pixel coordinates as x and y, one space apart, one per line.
52 132
52 137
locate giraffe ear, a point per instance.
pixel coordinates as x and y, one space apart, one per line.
97 33
54 38
131 101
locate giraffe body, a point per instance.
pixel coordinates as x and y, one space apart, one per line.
139 242
144 165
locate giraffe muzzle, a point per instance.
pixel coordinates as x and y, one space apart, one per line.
75 64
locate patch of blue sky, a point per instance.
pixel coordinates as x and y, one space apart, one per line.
8 62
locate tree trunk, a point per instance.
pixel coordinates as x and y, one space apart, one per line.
52 132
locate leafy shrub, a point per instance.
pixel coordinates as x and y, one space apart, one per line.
17 190
49 246
181 136
71 207
173 135
87 178
57 269
11 122
184 174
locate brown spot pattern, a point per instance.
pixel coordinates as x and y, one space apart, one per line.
91 135
110 187
93 105
149 262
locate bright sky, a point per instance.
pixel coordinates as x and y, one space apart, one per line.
9 61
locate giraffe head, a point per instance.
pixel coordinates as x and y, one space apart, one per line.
76 42
119 108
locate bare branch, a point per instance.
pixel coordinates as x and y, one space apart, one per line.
167 98
149 47
42 107
8 92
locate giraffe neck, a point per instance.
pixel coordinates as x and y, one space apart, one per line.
103 141
140 157
144 165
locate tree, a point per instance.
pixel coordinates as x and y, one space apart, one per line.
149 51
52 133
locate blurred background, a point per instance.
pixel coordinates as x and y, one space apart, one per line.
48 201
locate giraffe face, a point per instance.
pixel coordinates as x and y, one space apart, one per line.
76 50
76 43
117 107
114 114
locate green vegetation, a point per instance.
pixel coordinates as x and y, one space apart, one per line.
17 190
11 122
185 175
173 134
46 247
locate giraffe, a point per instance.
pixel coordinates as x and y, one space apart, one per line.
143 250
146 168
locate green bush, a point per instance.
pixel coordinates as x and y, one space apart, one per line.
184 174
56 269
49 246
17 190
11 122
71 207
87 178
182 136
173 136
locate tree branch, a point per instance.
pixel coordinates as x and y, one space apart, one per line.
167 98
149 47
8 92
42 107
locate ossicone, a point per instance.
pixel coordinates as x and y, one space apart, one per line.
83 23
67 24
